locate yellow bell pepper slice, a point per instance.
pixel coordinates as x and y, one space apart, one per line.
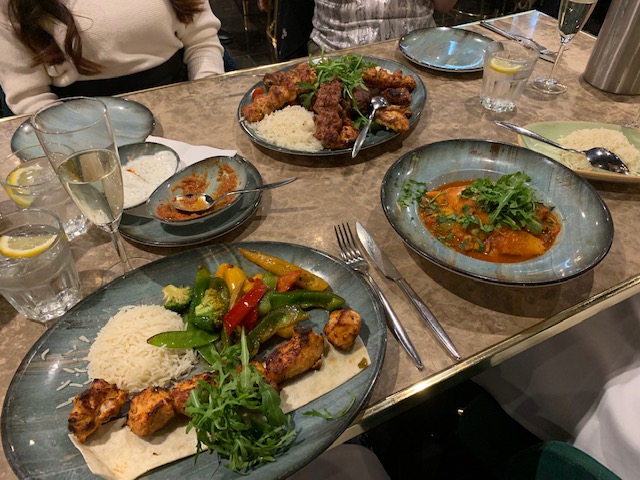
280 267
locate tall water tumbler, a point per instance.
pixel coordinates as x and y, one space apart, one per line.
614 65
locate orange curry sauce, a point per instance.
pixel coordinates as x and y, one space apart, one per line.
195 184
444 212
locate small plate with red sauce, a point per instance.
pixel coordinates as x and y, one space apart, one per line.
586 226
213 176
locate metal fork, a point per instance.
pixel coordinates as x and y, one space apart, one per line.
352 256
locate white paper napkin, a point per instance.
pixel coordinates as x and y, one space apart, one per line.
190 154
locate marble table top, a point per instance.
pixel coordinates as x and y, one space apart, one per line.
487 322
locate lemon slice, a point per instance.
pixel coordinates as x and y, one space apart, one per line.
502 65
23 247
23 177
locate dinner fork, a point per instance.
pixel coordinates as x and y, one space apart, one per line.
350 252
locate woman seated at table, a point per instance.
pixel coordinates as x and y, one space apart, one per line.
53 49
339 24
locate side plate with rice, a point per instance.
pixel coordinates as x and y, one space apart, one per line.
583 135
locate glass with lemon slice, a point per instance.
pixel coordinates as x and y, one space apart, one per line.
38 276
507 68
29 180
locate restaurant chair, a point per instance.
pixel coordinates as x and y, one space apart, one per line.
509 451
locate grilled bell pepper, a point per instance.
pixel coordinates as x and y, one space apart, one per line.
304 299
276 319
280 267
200 285
286 281
249 300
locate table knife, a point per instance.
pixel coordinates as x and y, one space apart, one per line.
543 52
392 273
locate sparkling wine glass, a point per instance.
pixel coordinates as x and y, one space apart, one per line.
572 16
77 136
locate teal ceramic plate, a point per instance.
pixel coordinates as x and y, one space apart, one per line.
555 130
132 122
34 432
149 231
587 226
445 49
210 169
418 100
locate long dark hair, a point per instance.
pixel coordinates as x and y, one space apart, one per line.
26 15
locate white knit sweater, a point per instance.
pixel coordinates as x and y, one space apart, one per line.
123 36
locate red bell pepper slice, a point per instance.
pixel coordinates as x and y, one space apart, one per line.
251 319
239 311
256 92
286 281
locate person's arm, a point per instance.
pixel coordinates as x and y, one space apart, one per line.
26 87
203 50
443 6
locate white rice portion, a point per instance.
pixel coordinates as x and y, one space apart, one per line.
142 175
291 127
586 138
121 354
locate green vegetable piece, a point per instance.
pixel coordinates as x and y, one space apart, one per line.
327 415
304 299
213 306
276 319
270 280
183 339
239 416
177 299
200 285
510 201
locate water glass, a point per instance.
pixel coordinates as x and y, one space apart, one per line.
29 180
507 68
38 276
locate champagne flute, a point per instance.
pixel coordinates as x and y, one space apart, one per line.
78 139
572 16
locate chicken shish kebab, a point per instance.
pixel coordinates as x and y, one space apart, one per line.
229 317
338 91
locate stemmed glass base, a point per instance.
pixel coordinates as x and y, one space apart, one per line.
549 86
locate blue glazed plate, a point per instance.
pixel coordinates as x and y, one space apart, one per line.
132 122
148 231
445 49
556 130
587 226
418 100
34 432
209 169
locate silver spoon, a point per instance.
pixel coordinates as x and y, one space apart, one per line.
204 202
598 157
376 103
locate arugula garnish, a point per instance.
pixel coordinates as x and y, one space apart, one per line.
508 200
327 415
346 68
239 416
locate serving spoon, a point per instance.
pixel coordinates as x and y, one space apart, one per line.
199 202
376 103
598 157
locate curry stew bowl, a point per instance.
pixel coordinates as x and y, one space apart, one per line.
159 163
213 176
586 231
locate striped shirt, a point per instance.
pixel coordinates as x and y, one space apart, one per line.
341 24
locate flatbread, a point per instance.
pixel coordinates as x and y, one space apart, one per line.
114 452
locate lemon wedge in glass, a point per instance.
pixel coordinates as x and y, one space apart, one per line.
23 177
23 247
502 65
